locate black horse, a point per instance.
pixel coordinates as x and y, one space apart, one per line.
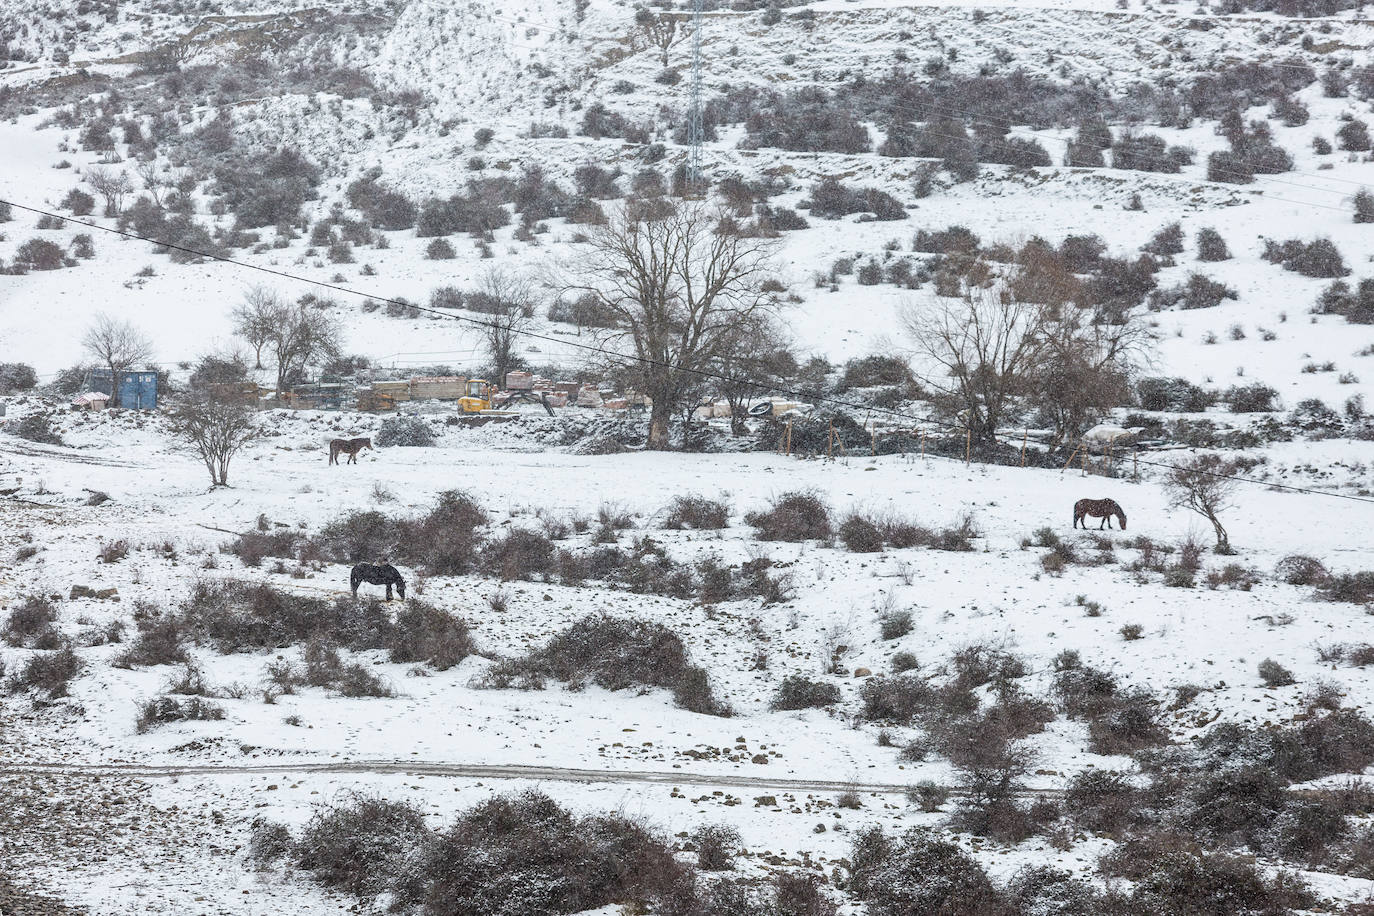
377 575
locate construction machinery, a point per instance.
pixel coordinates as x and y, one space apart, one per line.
477 394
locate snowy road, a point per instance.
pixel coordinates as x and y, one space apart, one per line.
465 771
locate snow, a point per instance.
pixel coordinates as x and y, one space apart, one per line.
487 67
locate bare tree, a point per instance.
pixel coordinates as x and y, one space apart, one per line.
756 359
118 346
1086 368
146 169
1204 484
660 29
679 289
257 318
113 186
511 304
215 430
301 335
986 350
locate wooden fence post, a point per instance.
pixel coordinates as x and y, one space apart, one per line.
968 444
789 437
830 441
1024 437
873 450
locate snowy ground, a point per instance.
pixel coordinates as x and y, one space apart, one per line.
173 844
996 594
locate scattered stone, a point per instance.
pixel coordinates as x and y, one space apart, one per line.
81 591
862 672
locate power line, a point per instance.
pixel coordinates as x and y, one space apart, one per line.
626 358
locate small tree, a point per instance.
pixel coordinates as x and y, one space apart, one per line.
986 350
510 306
256 319
215 430
113 186
118 346
1211 246
301 334
660 29
1203 484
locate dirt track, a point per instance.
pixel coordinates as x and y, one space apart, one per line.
464 771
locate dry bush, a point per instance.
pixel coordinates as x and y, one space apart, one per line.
798 692
918 872
904 661
1103 801
114 551
894 699
614 653
519 554
1173 882
716 846
1301 570
160 641
895 624
800 894
365 846
1356 587
523 854
1129 724
979 664
30 624
1275 675
796 516
697 513
929 796
251 547
160 711
860 534
238 616
51 672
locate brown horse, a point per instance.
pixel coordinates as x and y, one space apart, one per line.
350 447
1098 508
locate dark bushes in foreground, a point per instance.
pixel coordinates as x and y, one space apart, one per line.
512 855
613 653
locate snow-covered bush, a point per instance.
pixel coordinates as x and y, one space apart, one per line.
404 431
799 692
795 516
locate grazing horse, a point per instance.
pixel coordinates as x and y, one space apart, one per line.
1098 508
377 575
350 447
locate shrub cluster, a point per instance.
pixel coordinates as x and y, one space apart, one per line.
613 653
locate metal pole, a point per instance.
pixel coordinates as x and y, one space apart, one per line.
695 131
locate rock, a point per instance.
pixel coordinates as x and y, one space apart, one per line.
759 758
81 591
765 801
107 593
862 672
819 828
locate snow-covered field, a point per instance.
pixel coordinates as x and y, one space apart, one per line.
172 836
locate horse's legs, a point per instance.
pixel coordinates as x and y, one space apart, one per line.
355 588
388 591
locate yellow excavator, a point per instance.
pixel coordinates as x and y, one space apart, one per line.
477 395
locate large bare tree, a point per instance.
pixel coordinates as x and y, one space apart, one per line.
985 350
509 305
256 319
679 288
118 346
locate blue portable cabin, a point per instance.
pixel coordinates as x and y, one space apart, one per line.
137 388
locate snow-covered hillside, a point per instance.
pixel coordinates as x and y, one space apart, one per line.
1130 708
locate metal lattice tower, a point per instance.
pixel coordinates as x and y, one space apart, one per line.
695 133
